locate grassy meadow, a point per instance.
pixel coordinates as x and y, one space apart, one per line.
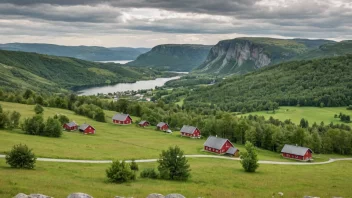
312 114
210 178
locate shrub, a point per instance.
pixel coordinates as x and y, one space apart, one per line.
120 172
149 173
52 128
38 109
34 125
134 166
21 157
173 165
62 118
249 159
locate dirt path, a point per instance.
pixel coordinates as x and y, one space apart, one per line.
188 156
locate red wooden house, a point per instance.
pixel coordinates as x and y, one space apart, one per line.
143 123
220 146
122 119
296 152
87 129
162 126
71 126
190 131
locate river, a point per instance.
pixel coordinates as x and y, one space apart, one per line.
142 84
116 61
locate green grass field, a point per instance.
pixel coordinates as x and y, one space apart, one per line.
312 114
210 178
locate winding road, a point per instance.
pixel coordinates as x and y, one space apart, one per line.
188 156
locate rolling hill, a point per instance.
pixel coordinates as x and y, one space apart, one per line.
173 57
319 82
21 70
243 55
91 53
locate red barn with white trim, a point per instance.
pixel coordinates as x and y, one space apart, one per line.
143 123
123 119
219 146
190 131
87 129
296 152
162 126
71 126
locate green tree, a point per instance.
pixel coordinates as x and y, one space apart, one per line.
4 120
38 109
249 159
173 165
52 128
34 125
100 116
134 165
120 172
27 94
21 157
15 119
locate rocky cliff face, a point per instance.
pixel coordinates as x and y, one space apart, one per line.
242 55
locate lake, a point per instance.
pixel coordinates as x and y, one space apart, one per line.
142 84
116 61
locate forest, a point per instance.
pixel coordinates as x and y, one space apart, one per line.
320 83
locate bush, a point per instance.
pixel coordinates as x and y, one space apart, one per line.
52 128
134 166
149 173
38 109
173 165
120 172
249 159
62 118
34 125
21 157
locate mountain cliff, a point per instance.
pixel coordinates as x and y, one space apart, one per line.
91 53
173 57
242 55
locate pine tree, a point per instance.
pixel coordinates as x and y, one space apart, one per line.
173 165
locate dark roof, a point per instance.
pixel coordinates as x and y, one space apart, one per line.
143 121
188 129
160 124
84 127
232 150
215 142
71 124
296 150
121 117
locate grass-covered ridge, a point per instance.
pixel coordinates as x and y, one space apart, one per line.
62 72
320 82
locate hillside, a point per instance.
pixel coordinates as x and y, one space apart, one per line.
91 53
329 50
173 57
319 82
23 70
242 55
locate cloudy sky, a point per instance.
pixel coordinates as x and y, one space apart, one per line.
146 23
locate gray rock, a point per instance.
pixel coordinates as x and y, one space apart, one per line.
21 195
155 195
310 197
174 196
79 195
38 196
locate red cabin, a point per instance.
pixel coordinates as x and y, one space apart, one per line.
122 119
71 126
87 129
296 152
220 146
162 126
143 123
190 131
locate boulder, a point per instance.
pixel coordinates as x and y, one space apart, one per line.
38 196
79 195
21 195
155 195
174 196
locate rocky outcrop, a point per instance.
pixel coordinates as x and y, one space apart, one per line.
155 195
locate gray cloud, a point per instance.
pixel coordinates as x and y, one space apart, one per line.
301 18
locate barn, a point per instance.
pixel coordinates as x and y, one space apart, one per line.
219 146
71 126
87 129
122 119
190 131
143 123
162 126
296 152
